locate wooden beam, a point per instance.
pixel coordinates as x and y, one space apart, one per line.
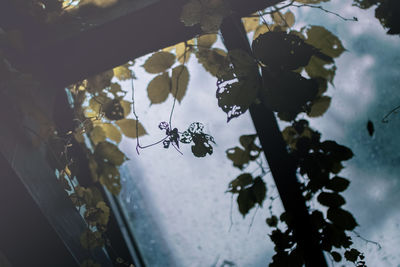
71 51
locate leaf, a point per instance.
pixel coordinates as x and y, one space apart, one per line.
109 176
191 13
325 41
206 40
342 218
122 72
319 106
126 106
183 51
317 68
100 81
213 60
111 132
159 88
97 135
283 20
180 80
128 128
251 23
352 255
259 190
240 182
260 30
107 152
91 240
336 256
115 88
332 200
245 201
239 156
159 62
113 110
370 128
272 221
337 184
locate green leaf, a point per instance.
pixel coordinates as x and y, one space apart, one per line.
338 184
180 80
342 218
159 62
316 69
245 201
111 132
159 88
328 43
107 152
97 135
240 182
213 60
259 190
332 200
319 106
110 177
128 128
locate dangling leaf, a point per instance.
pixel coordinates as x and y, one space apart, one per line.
128 128
180 80
159 88
159 62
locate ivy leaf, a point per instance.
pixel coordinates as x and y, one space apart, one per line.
159 88
128 128
180 80
159 62
97 135
319 106
206 40
370 128
122 72
332 200
111 132
338 184
240 182
107 152
325 41
251 23
342 218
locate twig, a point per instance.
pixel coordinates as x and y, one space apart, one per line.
393 111
366 240
252 219
325 10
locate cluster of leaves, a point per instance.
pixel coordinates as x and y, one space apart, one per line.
386 11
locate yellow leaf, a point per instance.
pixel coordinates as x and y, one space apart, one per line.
183 52
122 72
206 40
107 152
283 20
97 135
115 88
251 23
260 30
159 88
319 106
126 106
111 132
159 62
110 178
180 80
128 128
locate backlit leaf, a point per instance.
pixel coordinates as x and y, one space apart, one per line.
328 43
239 157
251 23
126 106
342 218
159 62
213 60
183 51
338 184
332 200
259 190
109 176
319 106
128 128
245 201
206 40
240 182
122 72
97 135
107 152
111 132
260 30
180 80
158 89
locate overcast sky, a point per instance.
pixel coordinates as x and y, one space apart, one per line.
186 194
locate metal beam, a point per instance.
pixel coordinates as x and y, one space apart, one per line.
281 165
